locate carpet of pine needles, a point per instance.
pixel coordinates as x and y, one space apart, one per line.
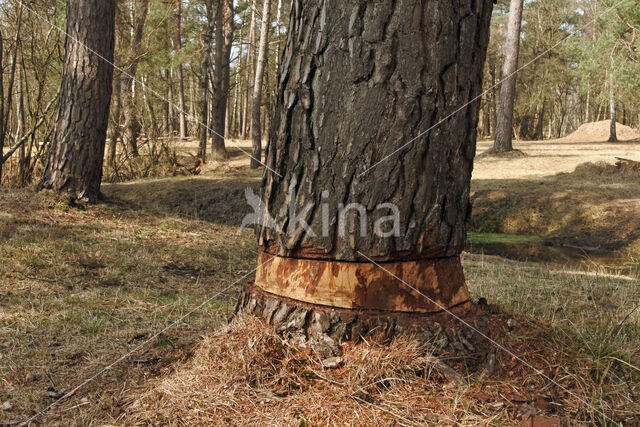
247 375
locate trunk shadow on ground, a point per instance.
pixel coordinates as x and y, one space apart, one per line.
219 200
592 213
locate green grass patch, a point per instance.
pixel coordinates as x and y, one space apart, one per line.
475 238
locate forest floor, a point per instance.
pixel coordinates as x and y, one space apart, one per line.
570 196
552 246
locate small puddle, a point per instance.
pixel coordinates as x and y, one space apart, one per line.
534 249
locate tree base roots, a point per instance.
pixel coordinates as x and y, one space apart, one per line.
458 334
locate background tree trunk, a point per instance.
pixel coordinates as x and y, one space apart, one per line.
278 37
204 80
181 114
359 81
613 137
504 126
256 103
1 105
116 95
6 106
250 67
131 123
115 133
74 163
224 41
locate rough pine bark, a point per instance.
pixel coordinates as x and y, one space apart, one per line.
256 102
224 41
504 125
74 163
358 81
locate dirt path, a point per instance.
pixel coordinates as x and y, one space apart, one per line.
545 158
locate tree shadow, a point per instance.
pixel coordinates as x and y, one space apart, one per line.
593 209
218 199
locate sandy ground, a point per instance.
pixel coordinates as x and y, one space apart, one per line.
544 158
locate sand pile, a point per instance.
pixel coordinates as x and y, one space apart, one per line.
599 132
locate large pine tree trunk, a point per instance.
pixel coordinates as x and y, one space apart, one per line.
256 102
504 125
358 81
74 163
224 41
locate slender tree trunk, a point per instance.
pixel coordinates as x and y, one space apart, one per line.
117 98
538 135
278 38
235 109
224 40
613 137
153 127
204 87
486 116
587 108
237 119
250 68
74 163
181 114
256 102
115 133
166 107
192 105
1 104
6 107
227 119
20 125
204 81
243 114
131 122
504 126
171 103
494 113
341 111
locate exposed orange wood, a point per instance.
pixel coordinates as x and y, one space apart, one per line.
364 285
